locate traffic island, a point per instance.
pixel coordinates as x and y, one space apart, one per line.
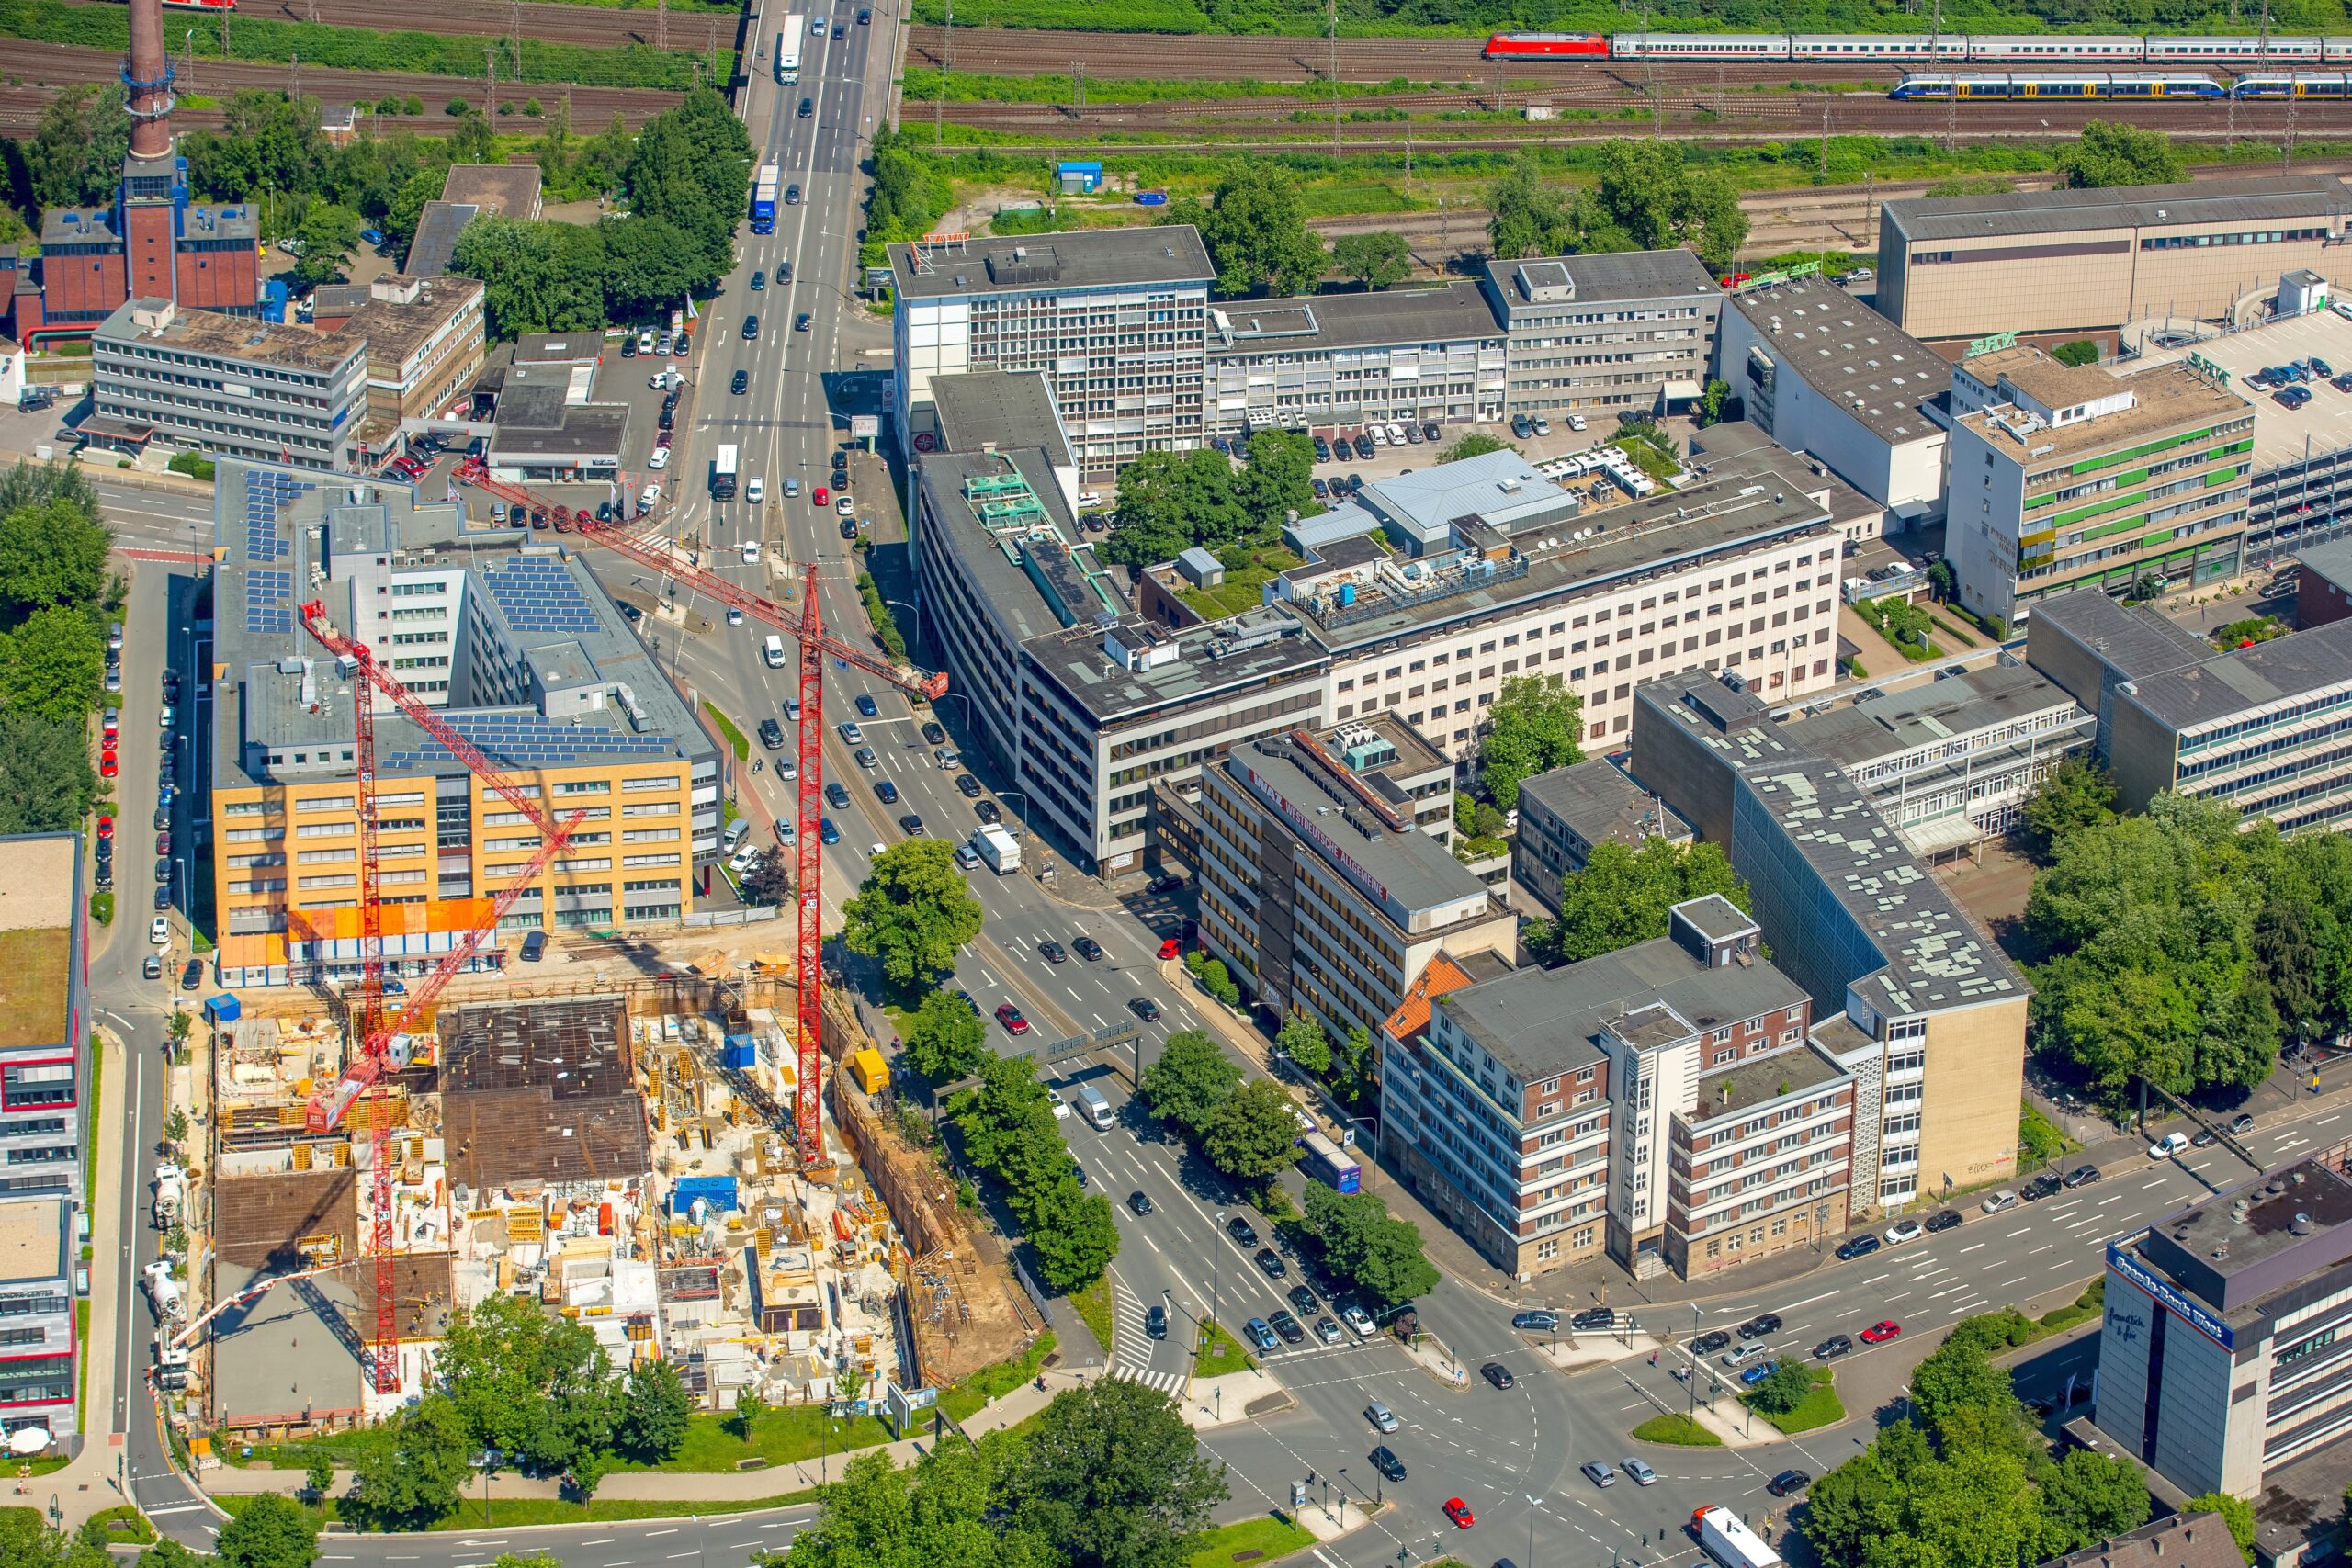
1232 1398
1820 1407
1675 1429
1597 1349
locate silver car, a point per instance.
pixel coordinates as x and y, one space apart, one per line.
1599 1472
1383 1419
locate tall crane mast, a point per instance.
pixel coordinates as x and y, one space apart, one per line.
369 1060
817 645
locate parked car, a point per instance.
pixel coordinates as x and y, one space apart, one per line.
1943 1220
1997 1202
1902 1231
2169 1145
2082 1176
1862 1246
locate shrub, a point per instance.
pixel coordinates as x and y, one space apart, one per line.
454 109
196 465
413 105
531 107
102 907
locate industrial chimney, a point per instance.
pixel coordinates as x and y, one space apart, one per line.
148 78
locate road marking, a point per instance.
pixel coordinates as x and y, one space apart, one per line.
652 1534
174 1508
1965 1250
2021 1230
2042 1248
2007 1283
1876 1278
1810 1300
2325 1120
601 1540
1897 1297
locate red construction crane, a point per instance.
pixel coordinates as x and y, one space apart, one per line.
816 646
367 1065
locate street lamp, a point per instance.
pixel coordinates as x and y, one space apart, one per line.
1693 1380
1531 1529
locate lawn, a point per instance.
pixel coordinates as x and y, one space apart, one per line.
518 1513
1247 571
1820 1407
779 1436
1093 1305
1218 1354
964 1399
1255 1540
123 1523
1679 1430
726 727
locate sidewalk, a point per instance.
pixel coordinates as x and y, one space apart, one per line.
88 1484
697 1486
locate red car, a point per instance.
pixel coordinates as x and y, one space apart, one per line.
1880 1332
1010 1016
106 827
107 766
820 496
1171 946
1459 1512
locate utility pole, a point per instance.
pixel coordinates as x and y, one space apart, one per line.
1077 89
1335 84
712 44
1649 75
1822 177
661 24
515 38
490 83
224 32
294 79
947 69
2287 148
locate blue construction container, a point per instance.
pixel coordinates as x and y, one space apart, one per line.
740 1051
717 1191
273 300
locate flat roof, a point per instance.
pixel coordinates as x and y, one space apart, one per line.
2225 684
1759 1080
1004 409
1538 1023
2137 641
2120 207
393 328
586 430
1500 487
2312 1192
438 224
39 928
2039 375
509 188
540 1091
1447 313
2330 562
1086 258
1599 802
558 348
2282 435
32 1239
1855 358
2166 397
1933 956
1599 278
1886 724
248 339
1258 648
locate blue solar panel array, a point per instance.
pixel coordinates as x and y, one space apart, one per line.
265 494
269 602
520 738
536 595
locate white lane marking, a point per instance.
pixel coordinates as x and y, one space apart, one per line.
1968 1249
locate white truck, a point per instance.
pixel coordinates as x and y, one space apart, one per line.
1730 1542
165 1292
998 850
171 1195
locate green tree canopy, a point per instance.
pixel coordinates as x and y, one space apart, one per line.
945 1039
2115 152
651 1422
1535 725
1622 894
1302 1038
1114 1477
531 1386
1477 444
1649 198
271 1531
52 551
1785 1387
1374 260
328 232
692 169
1254 1133
1528 217
1190 1082
2236 1513
1073 1234
78 145
1255 228
267 142
942 1509
1364 1243
419 1475
2077 793
1170 501
46 779
912 912
49 666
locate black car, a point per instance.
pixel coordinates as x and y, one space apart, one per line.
1364 450
1287 1326
193 976
849 527
1434 430
1052 951
1144 1009
968 787
1941 1220
801 322
1304 1300
933 733
1763 1323
534 945
885 792
1387 1463
792 196
1088 949
1272 1262
836 797
1155 1323
2042 1187
1829 1349
751 328
2082 1176
1321 487
987 812
628 343
1498 1374
1165 884
1593 1319
1242 1231
758 281
1862 1246
771 735
783 272
910 825
807 107
1139 1202
1322 450
1707 1344
162 896
1536 1322
741 384
1788 1480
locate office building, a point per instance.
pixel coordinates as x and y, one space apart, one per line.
549 423
1326 883
2227 1325
527 659
1856 518
1949 763
1429 590
2080 264
41 1369
1114 317
1564 813
2322 583
1004 411
1660 1103
2260 729
236 386
1406 356
1087 705
469 191
1825 375
2067 476
1919 1004
1601 335
2299 488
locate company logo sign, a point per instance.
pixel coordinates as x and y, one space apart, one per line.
2172 1300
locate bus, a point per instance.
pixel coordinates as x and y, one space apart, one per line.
722 474
787 49
1329 1165
763 189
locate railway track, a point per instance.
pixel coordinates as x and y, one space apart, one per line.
549 23
39 68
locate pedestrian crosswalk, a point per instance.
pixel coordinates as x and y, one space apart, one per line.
1166 1383
1131 1347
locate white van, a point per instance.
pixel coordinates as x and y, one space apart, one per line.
773 651
1097 1109
737 831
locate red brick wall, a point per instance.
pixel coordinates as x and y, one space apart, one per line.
219 280
75 284
148 245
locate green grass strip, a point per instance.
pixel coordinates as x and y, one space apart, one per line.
1251 1540
1678 1431
725 726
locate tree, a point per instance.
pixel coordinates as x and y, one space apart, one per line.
768 880
913 912
267 142
2113 152
1073 1234
1711 401
1528 218
1303 1039
408 206
1533 728
654 1405
649 266
76 152
749 1408
28 1541
942 1509
272 1531
1364 1243
528 1384
1278 480
2080 352
1960 1375
947 1039
2236 1513
2287 952
318 1477
1622 894
1477 444
2090 1496
52 551
535 276
1255 233
419 1476
166 1553
46 779
49 666
1786 1386
1114 1477
1649 198
1374 260
2078 793
692 168
1254 1133
1191 1082
329 233
1168 500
